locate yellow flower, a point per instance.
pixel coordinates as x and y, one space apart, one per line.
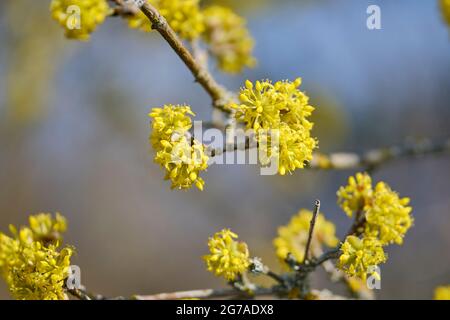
293 150
356 284
356 195
445 7
228 258
359 255
32 266
264 105
442 293
167 121
228 38
260 106
292 237
79 18
45 228
182 158
388 216
294 104
40 272
278 111
184 16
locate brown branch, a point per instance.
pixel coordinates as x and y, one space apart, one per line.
229 293
218 94
311 229
82 294
377 157
369 161
207 294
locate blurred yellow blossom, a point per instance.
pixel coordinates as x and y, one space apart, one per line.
46 228
356 195
184 16
388 216
228 258
442 293
79 18
228 39
292 237
34 268
359 255
445 7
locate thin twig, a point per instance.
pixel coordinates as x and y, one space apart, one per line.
218 94
81 294
207 294
311 229
376 157
368 161
276 277
248 144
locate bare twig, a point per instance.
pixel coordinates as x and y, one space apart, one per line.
376 157
207 294
368 161
311 229
248 144
218 94
276 277
82 294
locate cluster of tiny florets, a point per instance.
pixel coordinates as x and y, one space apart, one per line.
229 39
292 237
183 16
278 112
182 157
79 18
32 262
388 216
358 255
356 195
385 219
228 258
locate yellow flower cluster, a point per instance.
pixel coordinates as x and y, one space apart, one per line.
292 238
79 18
31 262
45 228
184 16
442 293
283 109
445 7
182 157
228 39
228 258
386 218
360 254
356 195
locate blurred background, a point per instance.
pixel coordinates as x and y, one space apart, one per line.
74 138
